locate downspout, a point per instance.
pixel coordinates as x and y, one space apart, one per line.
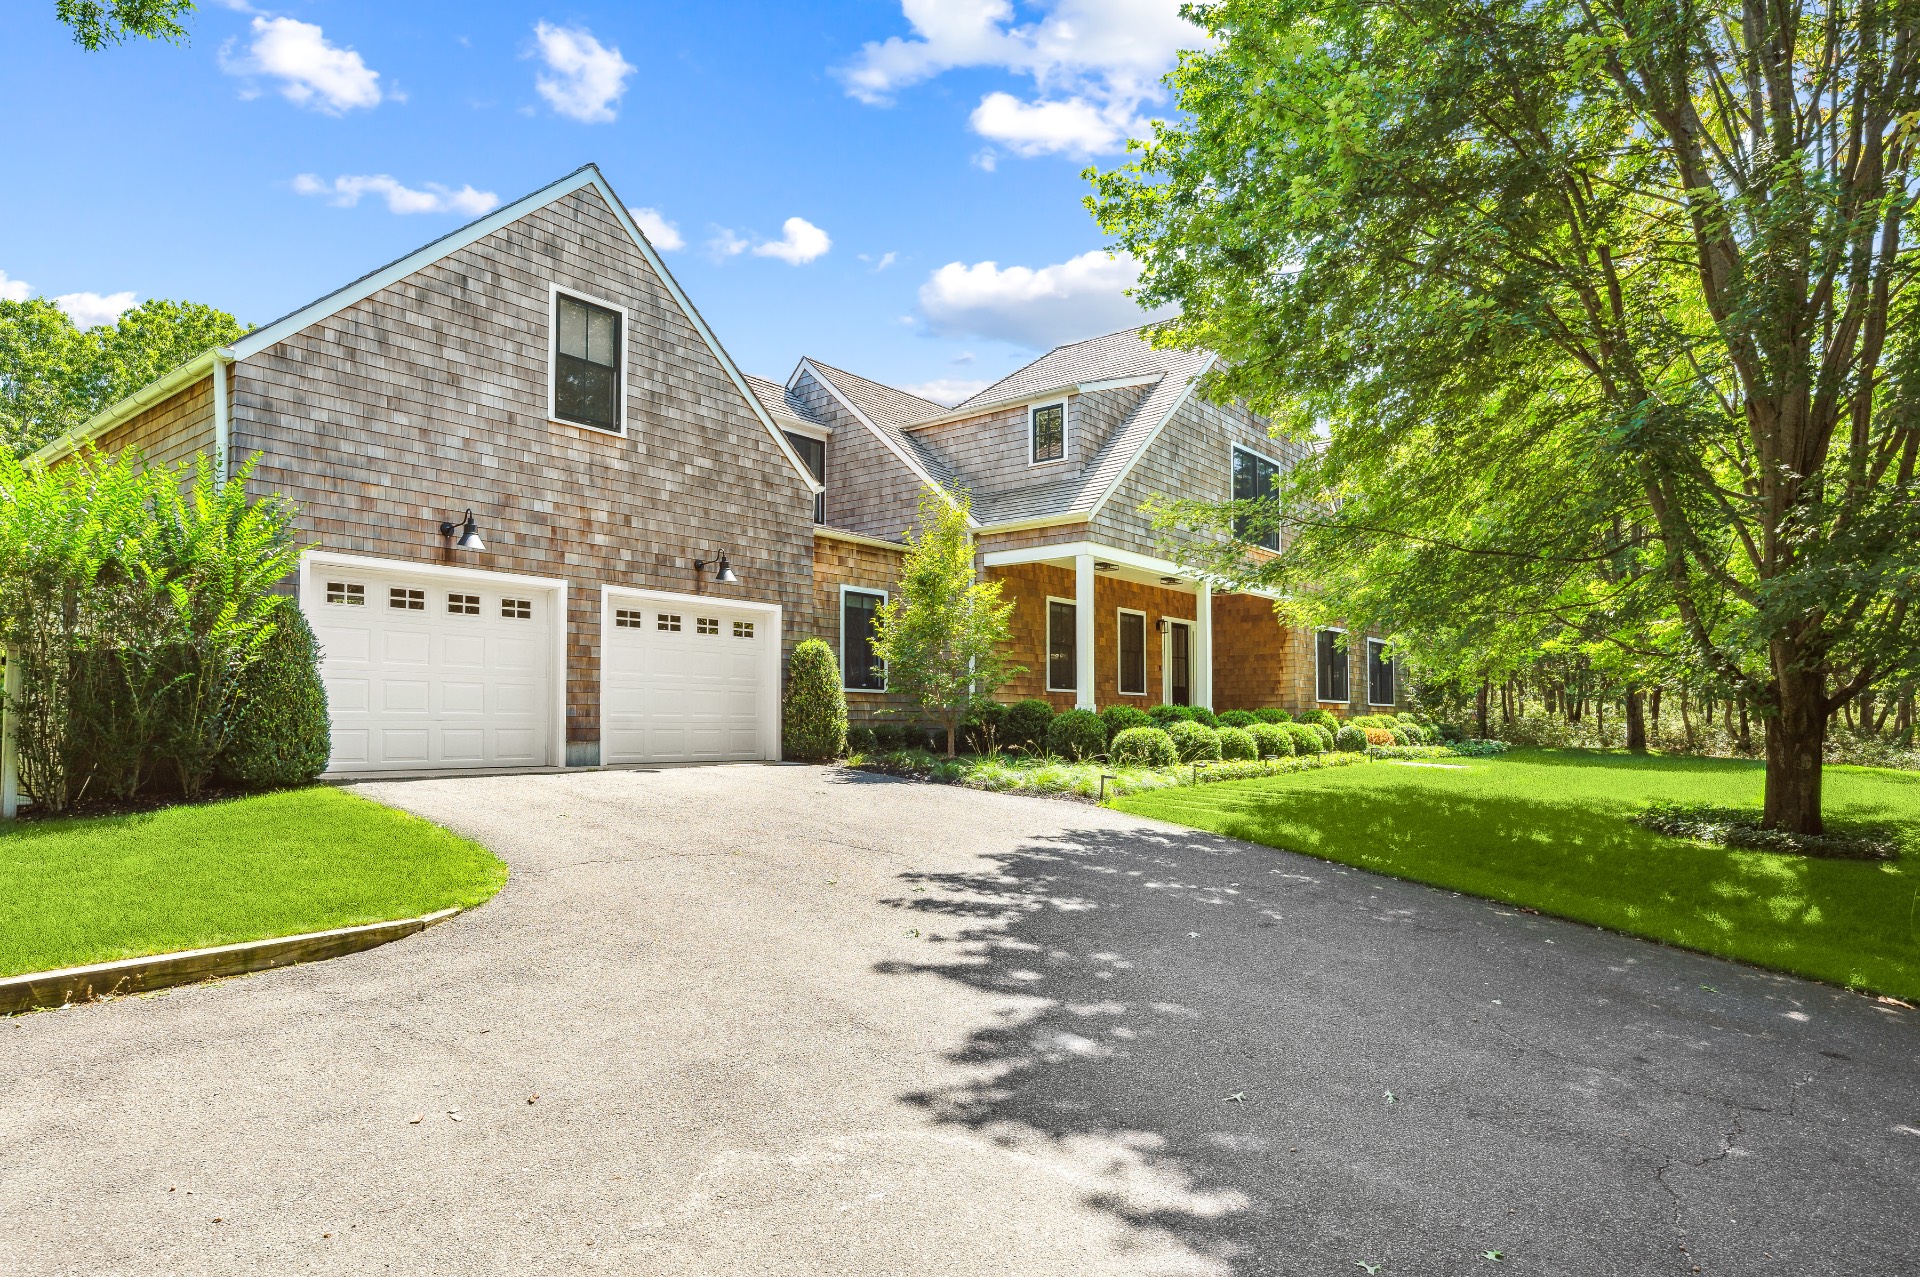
9 754
222 421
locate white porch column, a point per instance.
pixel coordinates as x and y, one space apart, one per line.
9 761
1083 631
1203 646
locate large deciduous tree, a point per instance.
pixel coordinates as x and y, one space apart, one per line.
1603 305
98 23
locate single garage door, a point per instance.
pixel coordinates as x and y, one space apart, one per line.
687 681
427 672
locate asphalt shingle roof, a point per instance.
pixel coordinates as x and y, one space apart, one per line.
775 398
889 410
1116 355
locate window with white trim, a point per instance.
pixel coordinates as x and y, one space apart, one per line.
1047 433
517 609
667 621
743 629
628 619
347 593
814 453
407 600
463 604
1331 658
1133 653
706 625
1256 479
860 669
1379 673
586 363
1062 636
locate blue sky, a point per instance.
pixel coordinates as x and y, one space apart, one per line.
930 150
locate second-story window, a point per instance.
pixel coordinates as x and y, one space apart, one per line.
586 363
814 453
1048 426
1255 478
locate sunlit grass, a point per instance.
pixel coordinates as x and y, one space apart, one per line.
1548 829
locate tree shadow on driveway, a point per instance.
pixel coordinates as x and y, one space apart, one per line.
1291 1066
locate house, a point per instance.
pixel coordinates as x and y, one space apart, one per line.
556 525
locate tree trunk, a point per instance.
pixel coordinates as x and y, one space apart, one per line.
1480 708
1653 711
1866 724
1636 721
1746 733
1795 739
1686 720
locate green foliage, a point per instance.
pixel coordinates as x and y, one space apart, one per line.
284 736
815 719
1027 723
53 376
99 23
1194 742
1077 734
862 739
1164 716
1202 715
1272 740
1351 739
1273 716
1306 739
1401 736
1323 717
986 727
1238 718
1237 743
1144 747
943 632
1120 718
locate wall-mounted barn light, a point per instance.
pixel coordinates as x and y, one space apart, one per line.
468 532
722 573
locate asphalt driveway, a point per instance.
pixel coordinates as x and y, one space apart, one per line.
781 1020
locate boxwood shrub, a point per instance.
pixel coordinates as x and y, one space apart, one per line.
1271 739
1143 747
986 727
1323 717
1238 718
1307 740
1077 734
1204 716
1167 715
1273 716
1027 724
284 737
1351 740
1122 718
1236 745
815 723
1195 741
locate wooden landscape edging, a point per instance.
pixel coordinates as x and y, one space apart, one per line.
38 989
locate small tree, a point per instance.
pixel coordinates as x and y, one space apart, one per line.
943 632
816 717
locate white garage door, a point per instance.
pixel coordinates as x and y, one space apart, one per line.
687 682
433 672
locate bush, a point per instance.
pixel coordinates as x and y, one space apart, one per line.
1123 718
1027 724
815 721
1236 744
1323 717
284 736
862 740
1325 734
1203 716
1376 736
1402 736
888 737
1271 740
1144 747
1194 741
985 730
1307 739
1077 734
1450 733
1165 716
1273 716
1242 718
1353 740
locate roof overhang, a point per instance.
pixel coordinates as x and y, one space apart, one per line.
1129 565
967 411
132 406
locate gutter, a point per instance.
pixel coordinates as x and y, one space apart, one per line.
145 397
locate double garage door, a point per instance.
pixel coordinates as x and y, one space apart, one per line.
434 670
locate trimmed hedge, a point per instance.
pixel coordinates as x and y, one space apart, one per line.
1027 723
1165 716
1273 716
815 722
1077 734
1144 747
1238 718
1237 745
1323 717
1272 740
284 737
1307 739
1194 741
1353 740
1204 716
1123 718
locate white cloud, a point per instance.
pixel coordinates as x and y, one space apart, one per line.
724 243
588 77
14 290
661 233
90 310
800 243
1094 65
346 191
947 390
881 262
1081 297
312 73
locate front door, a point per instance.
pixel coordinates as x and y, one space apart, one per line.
1179 690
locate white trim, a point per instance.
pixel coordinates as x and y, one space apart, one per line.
1066 433
222 421
1120 648
9 752
810 429
968 411
557 586
1324 700
1086 653
856 538
1039 521
1046 654
1392 673
840 648
1232 448
1166 659
906 459
107 418
554 293
1153 437
769 713
1203 646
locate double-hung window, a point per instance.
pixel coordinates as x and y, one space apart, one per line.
814 453
860 669
586 364
1062 655
1256 479
1047 433
1379 673
1331 653
1133 653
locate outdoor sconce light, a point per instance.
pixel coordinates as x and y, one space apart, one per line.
1160 625
1171 580
722 574
468 532
1104 567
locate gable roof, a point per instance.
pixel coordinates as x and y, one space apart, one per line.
1114 357
588 175
882 409
780 401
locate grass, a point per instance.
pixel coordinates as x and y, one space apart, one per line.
1549 830
1054 777
99 889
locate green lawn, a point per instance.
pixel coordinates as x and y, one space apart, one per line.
1547 829
93 890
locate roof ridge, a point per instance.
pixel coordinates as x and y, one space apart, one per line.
835 368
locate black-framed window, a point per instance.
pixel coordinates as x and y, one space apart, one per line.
1133 654
1062 657
1332 661
586 373
1379 673
1255 478
1049 431
814 453
860 669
